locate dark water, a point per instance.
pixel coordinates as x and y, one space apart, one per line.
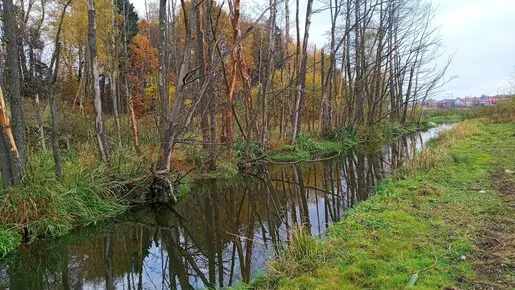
222 234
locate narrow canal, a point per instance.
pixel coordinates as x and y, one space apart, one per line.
223 233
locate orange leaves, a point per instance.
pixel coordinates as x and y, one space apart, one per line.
143 57
142 73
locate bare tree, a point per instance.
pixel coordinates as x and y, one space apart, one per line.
174 126
99 121
301 86
52 79
14 158
270 69
163 62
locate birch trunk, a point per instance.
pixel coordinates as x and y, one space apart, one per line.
99 122
163 63
302 74
270 70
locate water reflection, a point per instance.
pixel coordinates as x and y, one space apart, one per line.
222 234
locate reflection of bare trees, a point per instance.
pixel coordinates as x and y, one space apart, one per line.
221 235
108 262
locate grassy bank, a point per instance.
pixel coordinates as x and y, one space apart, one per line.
427 227
43 206
312 147
441 116
90 191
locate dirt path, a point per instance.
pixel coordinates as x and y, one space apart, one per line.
495 251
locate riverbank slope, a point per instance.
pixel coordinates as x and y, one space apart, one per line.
90 192
445 220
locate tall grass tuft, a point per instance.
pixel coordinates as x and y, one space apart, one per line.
344 134
431 156
303 254
9 240
44 206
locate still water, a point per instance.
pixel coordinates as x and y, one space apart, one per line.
223 233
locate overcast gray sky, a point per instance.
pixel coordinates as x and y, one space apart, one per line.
479 32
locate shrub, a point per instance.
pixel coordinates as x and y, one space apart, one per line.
344 134
249 148
44 206
502 112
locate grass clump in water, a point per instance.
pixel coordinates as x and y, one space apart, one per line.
341 140
308 147
224 170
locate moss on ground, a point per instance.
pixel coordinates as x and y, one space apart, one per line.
422 228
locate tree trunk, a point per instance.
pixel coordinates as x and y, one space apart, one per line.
302 75
326 103
11 165
202 62
132 118
234 6
114 70
12 77
99 122
359 82
55 133
270 70
52 79
173 126
288 66
211 99
39 120
163 63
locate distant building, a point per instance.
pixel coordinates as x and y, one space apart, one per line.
446 103
488 101
475 101
459 102
429 103
465 102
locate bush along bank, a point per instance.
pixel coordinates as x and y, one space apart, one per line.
313 147
424 227
43 206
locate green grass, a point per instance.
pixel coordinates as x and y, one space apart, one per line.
445 119
9 240
418 225
43 206
341 140
224 170
441 116
311 148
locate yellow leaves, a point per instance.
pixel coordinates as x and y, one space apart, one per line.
171 94
75 29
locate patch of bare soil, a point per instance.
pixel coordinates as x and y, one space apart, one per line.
495 258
